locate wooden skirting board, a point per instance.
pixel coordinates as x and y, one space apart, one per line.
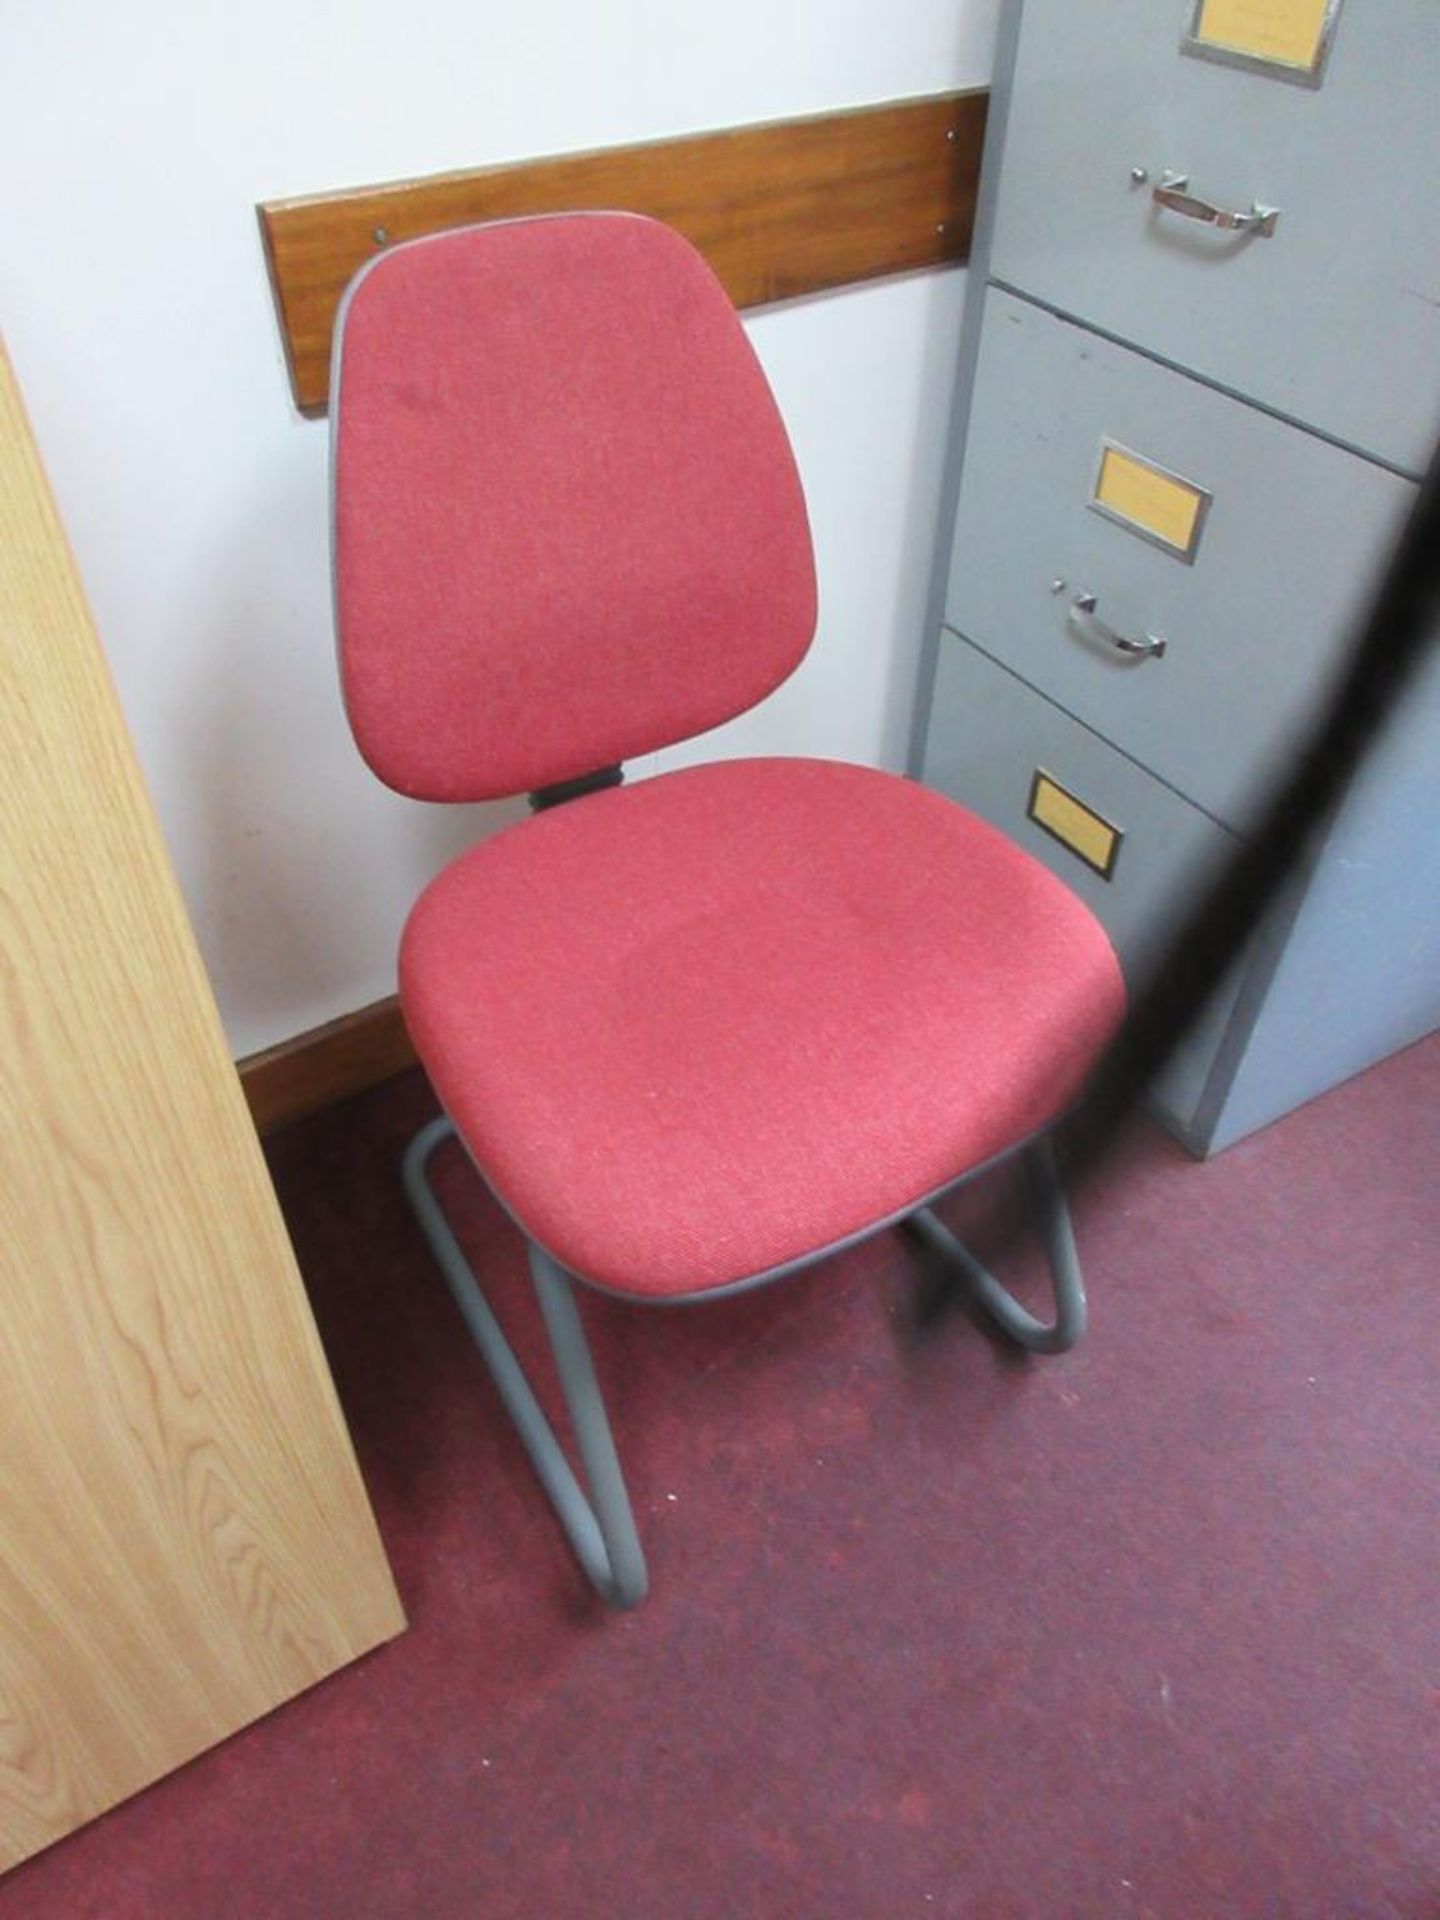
788 208
314 1069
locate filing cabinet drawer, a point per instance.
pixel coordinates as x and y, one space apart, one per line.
989 733
1292 533
1332 319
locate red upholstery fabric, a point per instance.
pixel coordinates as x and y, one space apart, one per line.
568 525
697 1027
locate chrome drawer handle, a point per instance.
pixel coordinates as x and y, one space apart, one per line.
1173 193
1086 623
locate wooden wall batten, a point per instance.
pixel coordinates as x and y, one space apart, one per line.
788 208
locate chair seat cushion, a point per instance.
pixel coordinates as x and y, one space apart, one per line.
698 1027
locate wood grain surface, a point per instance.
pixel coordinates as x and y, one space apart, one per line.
788 208
187 1542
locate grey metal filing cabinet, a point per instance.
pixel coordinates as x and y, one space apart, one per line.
1200 376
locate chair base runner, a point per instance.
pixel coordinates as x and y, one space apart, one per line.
600 1524
1053 1219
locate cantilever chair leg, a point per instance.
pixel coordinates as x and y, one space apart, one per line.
1059 1239
601 1528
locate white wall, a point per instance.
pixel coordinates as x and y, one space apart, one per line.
135 141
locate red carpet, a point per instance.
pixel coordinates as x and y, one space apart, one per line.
1148 1630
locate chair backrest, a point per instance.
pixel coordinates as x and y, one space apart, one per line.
567 523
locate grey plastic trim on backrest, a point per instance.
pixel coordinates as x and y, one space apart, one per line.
1007 40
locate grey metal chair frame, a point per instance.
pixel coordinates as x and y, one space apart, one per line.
598 1520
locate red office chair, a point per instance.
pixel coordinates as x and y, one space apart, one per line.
699 1032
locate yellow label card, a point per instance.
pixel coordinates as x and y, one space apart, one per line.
1288 32
1146 497
1073 824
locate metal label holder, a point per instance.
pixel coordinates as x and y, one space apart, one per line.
1311 76
1203 496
